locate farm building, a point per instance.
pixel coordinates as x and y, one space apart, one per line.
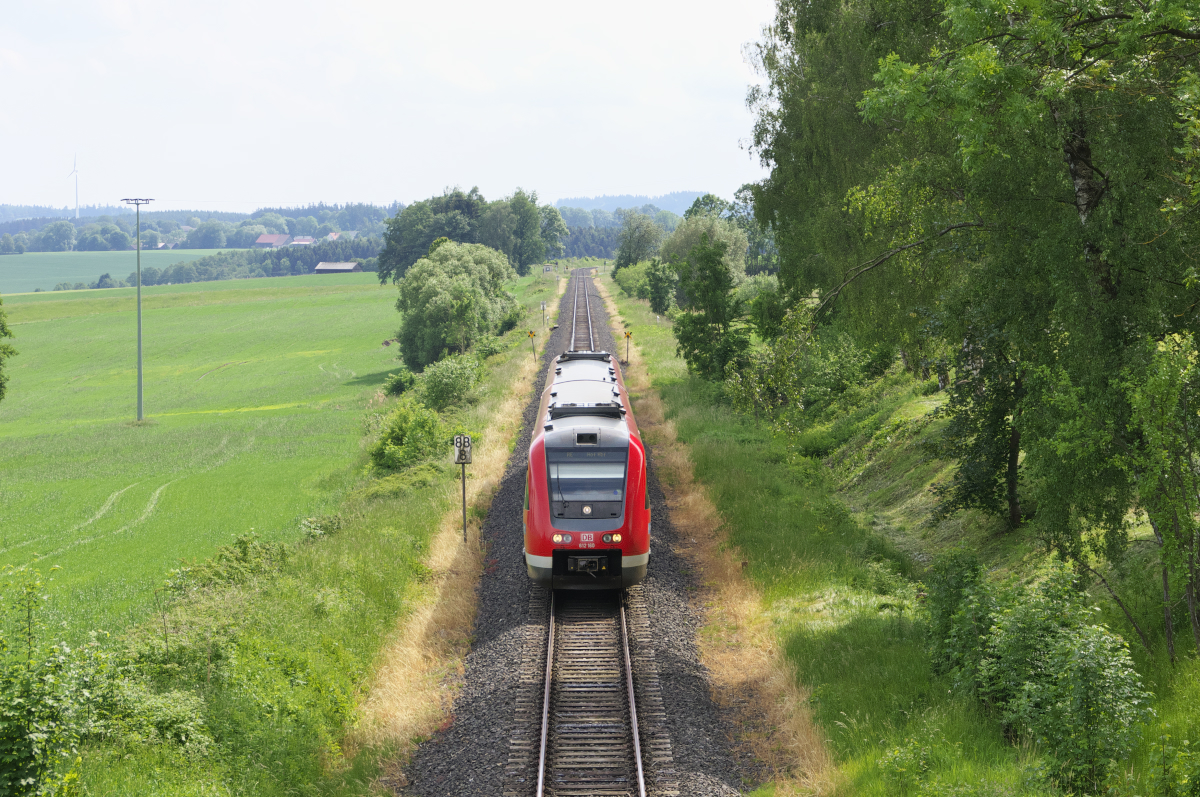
337 268
303 240
268 241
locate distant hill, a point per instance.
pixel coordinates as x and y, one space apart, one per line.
676 202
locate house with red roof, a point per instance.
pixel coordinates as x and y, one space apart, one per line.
268 241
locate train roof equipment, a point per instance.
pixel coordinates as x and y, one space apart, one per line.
585 386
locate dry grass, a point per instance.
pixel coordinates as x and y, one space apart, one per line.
748 672
412 692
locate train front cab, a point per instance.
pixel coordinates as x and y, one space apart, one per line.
586 511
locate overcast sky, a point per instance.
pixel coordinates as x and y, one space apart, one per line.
236 105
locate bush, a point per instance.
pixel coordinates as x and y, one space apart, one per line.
512 319
1035 656
36 736
397 383
1087 708
487 347
632 280
448 381
959 607
233 564
412 433
173 717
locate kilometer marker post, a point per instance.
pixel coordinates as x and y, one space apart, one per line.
628 335
462 456
532 345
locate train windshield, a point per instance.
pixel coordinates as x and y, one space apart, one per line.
594 476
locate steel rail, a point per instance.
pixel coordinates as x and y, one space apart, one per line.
575 314
576 338
637 744
631 696
588 306
541 783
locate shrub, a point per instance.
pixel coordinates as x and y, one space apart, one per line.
632 279
958 604
234 564
173 717
487 347
1034 654
510 320
448 381
397 383
411 434
36 737
1087 706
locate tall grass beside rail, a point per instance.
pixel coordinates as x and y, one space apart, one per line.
838 595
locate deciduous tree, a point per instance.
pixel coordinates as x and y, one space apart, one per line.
640 238
711 335
449 299
6 350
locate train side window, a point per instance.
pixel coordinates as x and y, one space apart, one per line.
527 488
646 484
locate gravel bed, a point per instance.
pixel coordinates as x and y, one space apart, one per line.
468 757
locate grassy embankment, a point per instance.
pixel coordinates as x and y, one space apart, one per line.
257 397
832 570
22 273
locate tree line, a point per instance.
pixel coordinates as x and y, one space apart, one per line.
602 219
191 230
1008 197
523 231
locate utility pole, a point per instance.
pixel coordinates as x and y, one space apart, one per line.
138 204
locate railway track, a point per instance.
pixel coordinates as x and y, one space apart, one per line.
589 741
590 720
581 326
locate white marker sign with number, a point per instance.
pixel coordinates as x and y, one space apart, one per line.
462 449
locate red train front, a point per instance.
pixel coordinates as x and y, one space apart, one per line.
587 508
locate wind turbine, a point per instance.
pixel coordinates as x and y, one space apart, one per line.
75 172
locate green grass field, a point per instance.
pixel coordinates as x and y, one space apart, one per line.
23 273
260 393
255 393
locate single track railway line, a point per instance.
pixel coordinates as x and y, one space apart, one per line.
581 326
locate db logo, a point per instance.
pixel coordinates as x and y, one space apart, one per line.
586 537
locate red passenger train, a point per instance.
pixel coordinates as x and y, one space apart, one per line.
587 507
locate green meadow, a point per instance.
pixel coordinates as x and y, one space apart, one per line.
254 396
32 270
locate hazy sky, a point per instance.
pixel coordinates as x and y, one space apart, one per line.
236 105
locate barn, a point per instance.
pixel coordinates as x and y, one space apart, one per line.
337 268
268 241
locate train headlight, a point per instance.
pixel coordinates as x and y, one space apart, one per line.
616 538
557 538
587 510
612 538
